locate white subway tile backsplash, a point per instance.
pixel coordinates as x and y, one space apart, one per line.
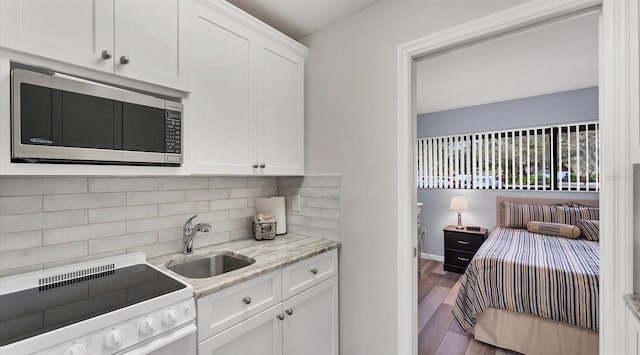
166 235
41 255
183 183
21 204
172 209
227 182
41 186
206 195
204 239
35 221
246 192
124 184
20 240
242 212
82 201
227 204
84 232
154 224
103 245
52 221
262 182
112 214
153 250
151 197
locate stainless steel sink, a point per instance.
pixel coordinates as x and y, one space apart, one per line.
210 265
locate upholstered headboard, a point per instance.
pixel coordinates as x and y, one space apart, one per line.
535 201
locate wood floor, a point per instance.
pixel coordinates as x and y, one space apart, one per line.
438 332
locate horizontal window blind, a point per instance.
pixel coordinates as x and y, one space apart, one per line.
560 157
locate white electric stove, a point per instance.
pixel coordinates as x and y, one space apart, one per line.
116 305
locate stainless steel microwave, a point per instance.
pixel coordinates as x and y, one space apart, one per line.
56 118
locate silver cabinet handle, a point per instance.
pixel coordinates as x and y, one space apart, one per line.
314 271
246 300
463 259
289 311
263 165
106 55
255 166
124 60
462 242
280 316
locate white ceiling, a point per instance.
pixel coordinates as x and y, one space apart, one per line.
559 57
299 18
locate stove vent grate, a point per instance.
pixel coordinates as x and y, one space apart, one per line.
68 278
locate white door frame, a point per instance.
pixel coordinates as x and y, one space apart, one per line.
616 262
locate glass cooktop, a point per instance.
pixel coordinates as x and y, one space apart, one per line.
38 310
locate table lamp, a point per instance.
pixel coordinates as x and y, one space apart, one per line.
459 203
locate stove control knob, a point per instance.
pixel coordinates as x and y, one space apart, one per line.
169 317
114 339
147 326
76 349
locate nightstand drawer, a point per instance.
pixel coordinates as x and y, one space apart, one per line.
457 257
462 241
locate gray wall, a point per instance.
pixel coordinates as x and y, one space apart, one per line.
568 106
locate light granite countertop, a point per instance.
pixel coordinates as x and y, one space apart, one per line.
269 255
633 303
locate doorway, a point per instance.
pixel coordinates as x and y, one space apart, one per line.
614 108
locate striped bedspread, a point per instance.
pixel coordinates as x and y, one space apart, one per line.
550 277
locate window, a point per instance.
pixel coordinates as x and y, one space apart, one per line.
561 157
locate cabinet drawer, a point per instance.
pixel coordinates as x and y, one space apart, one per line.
457 257
225 308
462 241
302 275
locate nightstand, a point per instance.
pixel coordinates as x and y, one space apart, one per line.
460 245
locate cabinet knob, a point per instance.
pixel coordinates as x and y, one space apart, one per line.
263 165
289 311
246 300
106 55
314 271
280 316
124 60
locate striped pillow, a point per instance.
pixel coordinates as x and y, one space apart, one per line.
590 229
571 215
554 229
517 215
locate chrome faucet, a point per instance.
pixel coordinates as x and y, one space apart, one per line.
189 232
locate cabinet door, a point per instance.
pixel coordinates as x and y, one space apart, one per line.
72 31
635 81
152 35
311 328
280 110
223 119
259 335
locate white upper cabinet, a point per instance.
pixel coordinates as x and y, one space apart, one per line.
150 36
247 114
634 128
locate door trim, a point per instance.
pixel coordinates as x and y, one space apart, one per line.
616 263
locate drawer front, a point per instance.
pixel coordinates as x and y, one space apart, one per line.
302 275
462 241
457 257
225 308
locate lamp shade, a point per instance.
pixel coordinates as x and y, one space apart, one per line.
459 203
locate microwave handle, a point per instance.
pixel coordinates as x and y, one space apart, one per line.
163 340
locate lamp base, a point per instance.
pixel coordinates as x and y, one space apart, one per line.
459 226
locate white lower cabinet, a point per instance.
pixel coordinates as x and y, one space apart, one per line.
306 323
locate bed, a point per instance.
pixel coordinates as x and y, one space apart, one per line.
532 293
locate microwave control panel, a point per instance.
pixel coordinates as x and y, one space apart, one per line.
173 127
